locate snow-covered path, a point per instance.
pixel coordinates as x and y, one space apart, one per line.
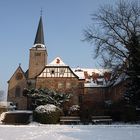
69 132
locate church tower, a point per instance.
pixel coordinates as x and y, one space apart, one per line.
38 53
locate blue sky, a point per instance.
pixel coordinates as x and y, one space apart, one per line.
63 21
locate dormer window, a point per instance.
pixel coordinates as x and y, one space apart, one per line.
99 82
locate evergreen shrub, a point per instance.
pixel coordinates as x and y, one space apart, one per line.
48 114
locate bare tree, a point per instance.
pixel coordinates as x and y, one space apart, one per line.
112 30
115 35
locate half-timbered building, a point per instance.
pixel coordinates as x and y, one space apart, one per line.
88 86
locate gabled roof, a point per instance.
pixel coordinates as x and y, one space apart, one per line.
80 71
92 77
17 70
39 39
57 62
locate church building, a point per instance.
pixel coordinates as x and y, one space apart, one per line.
88 86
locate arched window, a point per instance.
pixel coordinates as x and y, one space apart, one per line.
17 91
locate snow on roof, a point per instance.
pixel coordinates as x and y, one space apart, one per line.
57 62
92 84
85 73
89 81
80 71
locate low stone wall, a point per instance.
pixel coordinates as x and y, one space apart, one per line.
17 117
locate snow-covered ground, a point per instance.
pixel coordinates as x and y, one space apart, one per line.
69 132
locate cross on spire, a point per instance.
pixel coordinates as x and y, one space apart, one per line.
41 12
39 39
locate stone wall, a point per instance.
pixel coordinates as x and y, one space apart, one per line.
15 90
64 85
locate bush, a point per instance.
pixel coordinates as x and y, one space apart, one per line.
47 114
74 110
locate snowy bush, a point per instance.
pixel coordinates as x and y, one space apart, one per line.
46 108
74 110
47 114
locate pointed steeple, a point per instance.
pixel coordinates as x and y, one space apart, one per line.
39 39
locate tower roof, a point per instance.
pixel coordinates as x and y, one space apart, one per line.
39 39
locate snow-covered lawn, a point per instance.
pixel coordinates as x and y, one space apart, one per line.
69 132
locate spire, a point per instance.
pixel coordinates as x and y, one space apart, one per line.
39 39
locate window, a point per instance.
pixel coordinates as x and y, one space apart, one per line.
60 85
80 99
37 54
81 85
52 72
100 82
68 85
17 91
62 70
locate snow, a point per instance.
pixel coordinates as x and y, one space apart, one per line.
69 132
80 71
89 82
92 84
74 108
57 62
46 108
42 46
5 104
2 116
17 111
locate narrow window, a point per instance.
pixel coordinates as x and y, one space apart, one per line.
17 91
68 85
